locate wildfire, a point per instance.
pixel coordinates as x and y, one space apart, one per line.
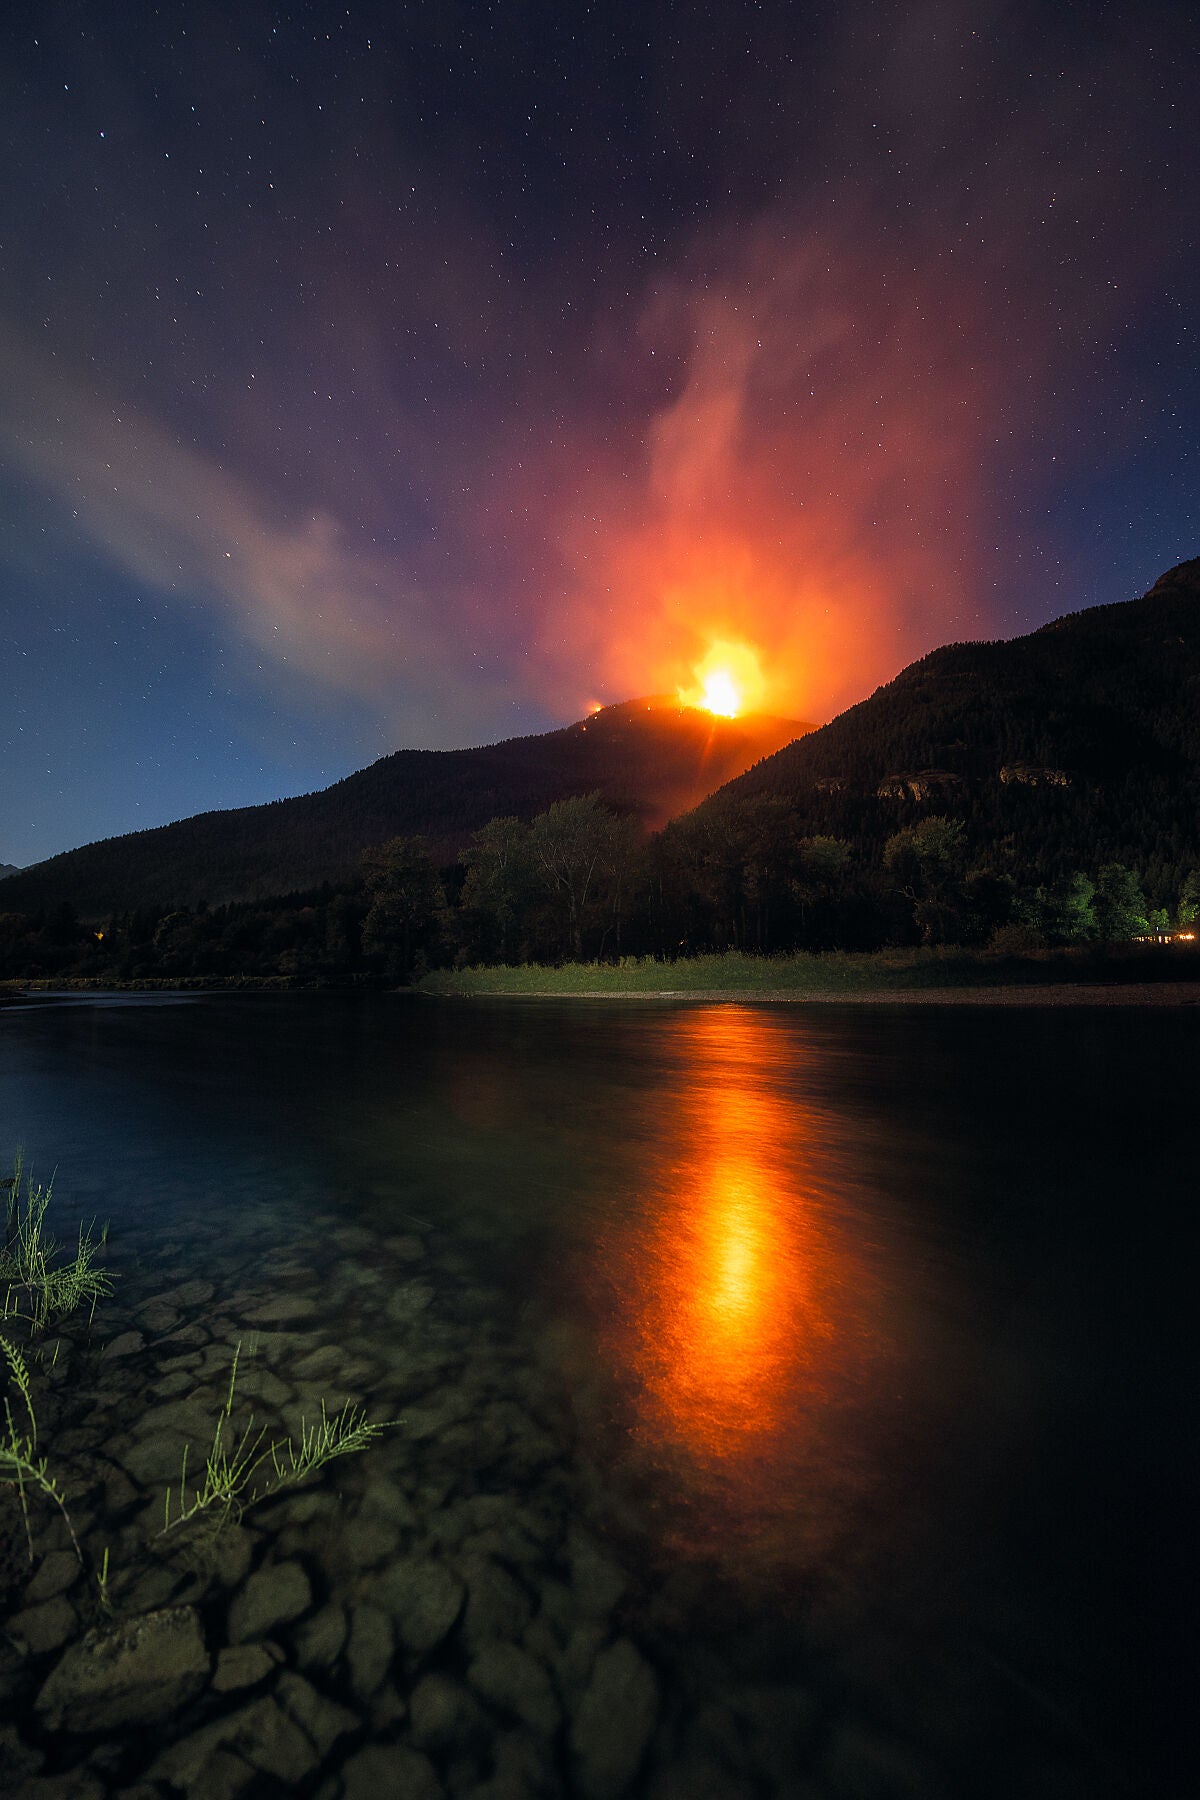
721 695
728 681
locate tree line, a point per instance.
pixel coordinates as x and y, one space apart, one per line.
580 882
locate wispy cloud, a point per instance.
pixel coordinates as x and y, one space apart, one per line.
302 592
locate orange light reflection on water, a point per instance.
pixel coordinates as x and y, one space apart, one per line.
720 1322
743 1333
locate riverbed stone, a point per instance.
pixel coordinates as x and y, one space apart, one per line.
260 1737
385 1499
132 1674
369 1649
43 1628
156 1317
127 1344
408 1302
155 1462
391 1770
368 1540
171 1386
57 1571
320 1640
405 1247
17 1759
150 1588
244 1665
190 1295
573 1665
281 1309
614 1721
436 1415
272 1596
321 1718
523 1768
497 1605
264 1386
187 1337
515 1683
424 1598
597 1580
72 1784
191 1417
443 1712
229 1553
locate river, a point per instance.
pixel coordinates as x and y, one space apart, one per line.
790 1402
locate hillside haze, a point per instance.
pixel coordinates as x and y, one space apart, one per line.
1074 746
647 758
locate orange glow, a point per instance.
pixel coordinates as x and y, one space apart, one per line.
720 695
728 681
743 1322
813 483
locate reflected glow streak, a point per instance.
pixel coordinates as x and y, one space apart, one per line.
725 1316
744 1329
728 1294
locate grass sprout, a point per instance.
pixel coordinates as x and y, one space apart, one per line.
36 1283
343 1434
234 1461
20 1465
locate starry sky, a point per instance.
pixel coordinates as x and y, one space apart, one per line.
421 374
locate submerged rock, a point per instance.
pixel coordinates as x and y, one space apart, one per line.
223 1758
612 1727
369 1651
368 1540
43 1628
272 1596
321 1718
393 1771
424 1598
283 1309
244 1665
497 1605
17 1759
133 1674
597 1580
192 1293
319 1641
74 1784
443 1713
517 1684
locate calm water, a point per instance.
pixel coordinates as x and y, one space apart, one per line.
865 1337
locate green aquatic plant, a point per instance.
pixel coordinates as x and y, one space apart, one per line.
38 1279
20 1465
234 1460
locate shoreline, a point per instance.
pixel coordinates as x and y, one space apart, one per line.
1155 993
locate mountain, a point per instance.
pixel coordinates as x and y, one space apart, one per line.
8 869
1074 746
649 758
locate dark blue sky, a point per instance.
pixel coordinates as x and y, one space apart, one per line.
415 375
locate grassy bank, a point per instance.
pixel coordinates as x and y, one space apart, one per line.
834 972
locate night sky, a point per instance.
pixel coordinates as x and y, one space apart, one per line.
419 375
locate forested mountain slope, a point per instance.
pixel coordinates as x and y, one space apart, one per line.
649 758
1072 747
